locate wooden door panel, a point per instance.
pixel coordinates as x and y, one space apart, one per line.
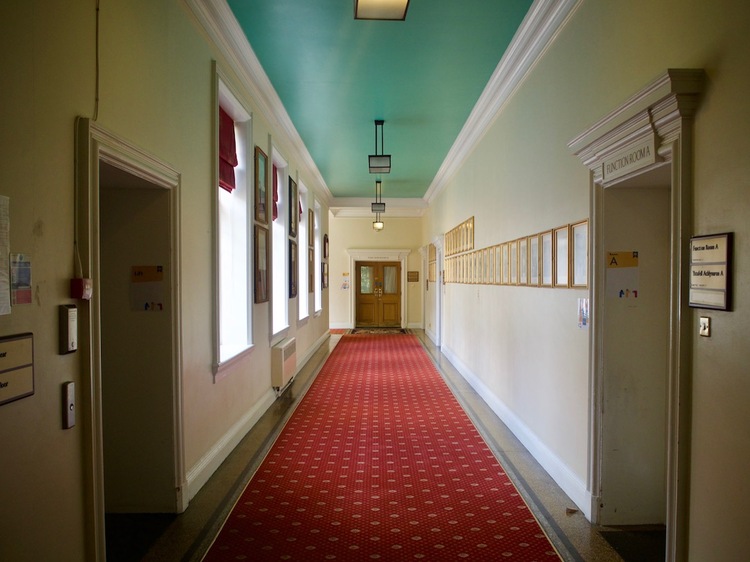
391 314
378 294
366 314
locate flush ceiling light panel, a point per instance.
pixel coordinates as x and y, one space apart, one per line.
394 10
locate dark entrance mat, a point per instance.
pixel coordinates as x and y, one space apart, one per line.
637 544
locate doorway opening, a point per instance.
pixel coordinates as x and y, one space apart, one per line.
127 236
640 161
634 319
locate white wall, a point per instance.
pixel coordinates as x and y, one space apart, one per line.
357 233
157 92
527 354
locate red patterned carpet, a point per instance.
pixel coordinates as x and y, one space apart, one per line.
379 462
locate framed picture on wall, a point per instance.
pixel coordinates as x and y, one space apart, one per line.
513 262
310 229
310 270
261 186
497 250
324 275
579 247
534 260
293 269
523 261
325 246
545 256
506 264
293 208
262 261
562 256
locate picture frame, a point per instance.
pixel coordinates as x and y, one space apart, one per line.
293 208
579 248
523 261
561 256
545 256
534 260
293 269
506 264
325 246
711 271
489 268
324 275
513 250
262 259
310 270
261 186
310 229
498 251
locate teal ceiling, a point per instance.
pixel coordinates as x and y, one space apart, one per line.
335 75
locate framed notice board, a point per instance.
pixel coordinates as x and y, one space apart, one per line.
710 271
16 367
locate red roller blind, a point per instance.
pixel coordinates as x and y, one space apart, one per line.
227 151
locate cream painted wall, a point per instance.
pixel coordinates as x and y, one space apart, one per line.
357 234
156 91
47 79
521 179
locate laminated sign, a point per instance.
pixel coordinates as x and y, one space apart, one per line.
622 275
147 288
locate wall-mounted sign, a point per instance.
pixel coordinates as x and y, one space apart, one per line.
710 263
622 275
630 159
412 276
147 288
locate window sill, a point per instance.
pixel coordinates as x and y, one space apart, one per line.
220 369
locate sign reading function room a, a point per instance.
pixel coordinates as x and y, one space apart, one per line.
710 270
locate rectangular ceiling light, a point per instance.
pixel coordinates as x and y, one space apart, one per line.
380 9
380 163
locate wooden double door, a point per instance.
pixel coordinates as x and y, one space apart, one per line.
378 299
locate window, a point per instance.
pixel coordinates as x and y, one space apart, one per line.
317 227
233 228
279 246
303 298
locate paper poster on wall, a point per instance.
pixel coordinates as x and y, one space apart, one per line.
344 281
20 279
622 275
147 288
4 253
583 313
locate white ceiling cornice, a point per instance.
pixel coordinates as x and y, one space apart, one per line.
538 29
222 28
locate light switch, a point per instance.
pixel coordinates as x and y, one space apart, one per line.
705 326
69 404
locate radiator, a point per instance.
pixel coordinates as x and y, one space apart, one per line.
283 362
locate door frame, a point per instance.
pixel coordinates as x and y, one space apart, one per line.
95 144
356 255
436 300
659 116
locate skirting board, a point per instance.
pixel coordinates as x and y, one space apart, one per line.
202 471
573 486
